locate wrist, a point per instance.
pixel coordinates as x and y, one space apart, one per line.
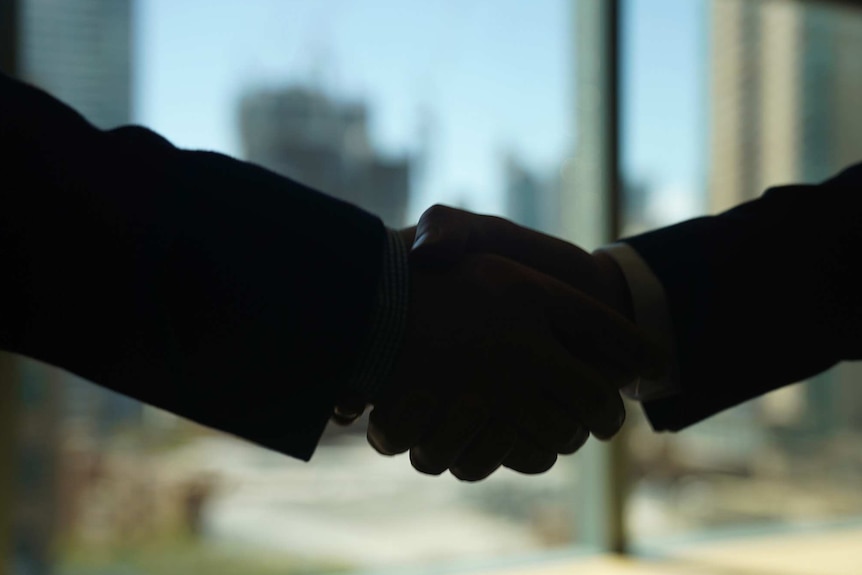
387 324
407 236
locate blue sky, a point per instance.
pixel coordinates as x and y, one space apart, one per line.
664 117
493 76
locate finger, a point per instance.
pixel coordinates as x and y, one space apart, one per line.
590 329
345 418
527 458
446 233
442 235
581 390
578 440
396 427
486 452
349 407
617 377
542 362
547 425
444 444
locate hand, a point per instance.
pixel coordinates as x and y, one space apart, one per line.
487 375
444 235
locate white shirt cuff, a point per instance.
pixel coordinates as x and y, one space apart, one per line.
651 313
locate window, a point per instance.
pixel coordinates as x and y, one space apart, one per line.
498 106
762 94
389 105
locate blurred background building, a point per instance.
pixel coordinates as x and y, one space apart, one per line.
304 134
81 51
532 198
782 85
785 88
105 485
785 83
35 525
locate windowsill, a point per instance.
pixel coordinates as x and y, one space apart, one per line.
835 550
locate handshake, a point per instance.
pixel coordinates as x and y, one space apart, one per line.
516 347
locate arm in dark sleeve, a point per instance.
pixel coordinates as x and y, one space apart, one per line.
761 296
203 285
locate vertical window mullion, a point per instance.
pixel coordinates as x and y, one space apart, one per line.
591 216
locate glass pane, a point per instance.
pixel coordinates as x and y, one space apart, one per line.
390 105
726 98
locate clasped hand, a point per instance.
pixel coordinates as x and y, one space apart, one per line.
516 347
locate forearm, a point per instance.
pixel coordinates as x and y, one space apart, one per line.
203 285
761 296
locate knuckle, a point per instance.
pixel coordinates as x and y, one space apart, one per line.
469 475
533 464
545 430
610 425
562 425
438 213
494 224
383 439
424 462
380 445
575 442
545 465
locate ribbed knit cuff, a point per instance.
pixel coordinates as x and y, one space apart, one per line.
388 321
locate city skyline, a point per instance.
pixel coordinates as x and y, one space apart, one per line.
305 134
471 83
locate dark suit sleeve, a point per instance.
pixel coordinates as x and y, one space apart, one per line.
761 296
200 284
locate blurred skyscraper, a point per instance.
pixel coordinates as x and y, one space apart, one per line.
37 463
585 209
786 83
80 51
304 134
532 199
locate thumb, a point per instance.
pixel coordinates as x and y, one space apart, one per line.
442 236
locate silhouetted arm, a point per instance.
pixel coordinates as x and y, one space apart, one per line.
761 296
206 286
